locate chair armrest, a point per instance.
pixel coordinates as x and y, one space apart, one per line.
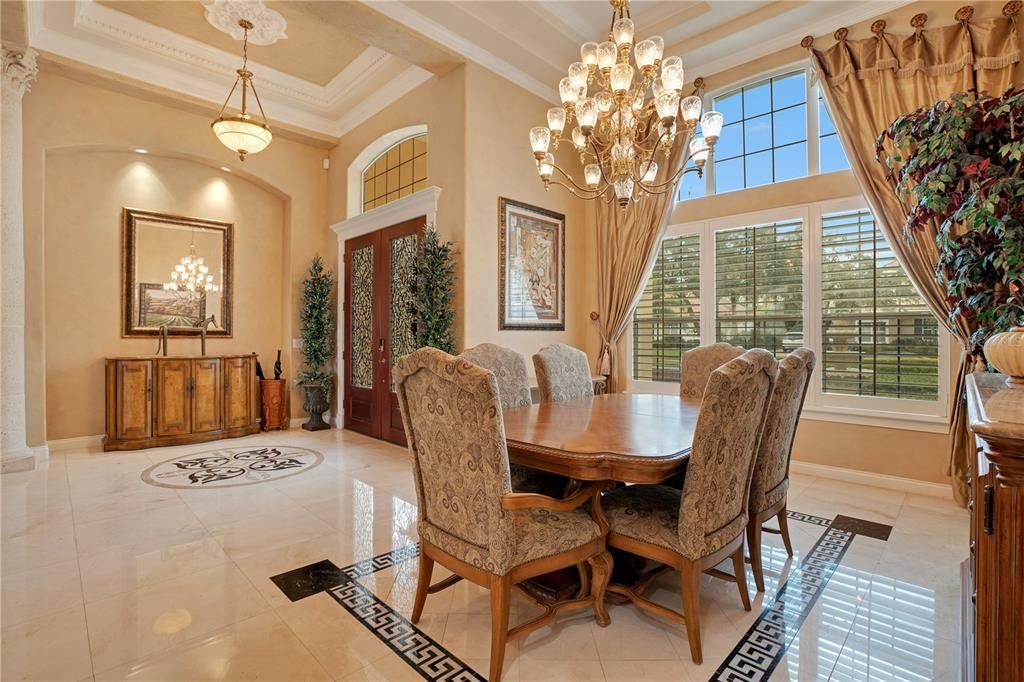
518 501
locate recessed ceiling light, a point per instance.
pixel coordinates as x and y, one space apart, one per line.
225 169
141 151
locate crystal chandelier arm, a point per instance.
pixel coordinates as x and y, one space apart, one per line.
575 184
600 165
671 180
582 195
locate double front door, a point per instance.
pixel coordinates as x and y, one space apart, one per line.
378 325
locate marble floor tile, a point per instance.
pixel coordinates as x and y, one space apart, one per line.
123 568
137 624
39 592
133 581
261 647
258 533
52 647
343 645
133 528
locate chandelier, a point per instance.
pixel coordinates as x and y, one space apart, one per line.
242 133
628 124
191 275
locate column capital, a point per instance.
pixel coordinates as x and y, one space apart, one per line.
19 69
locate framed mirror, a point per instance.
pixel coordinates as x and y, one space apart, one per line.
175 271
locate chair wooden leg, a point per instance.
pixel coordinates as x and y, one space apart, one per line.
584 572
601 568
501 601
690 583
422 585
754 547
739 568
784 529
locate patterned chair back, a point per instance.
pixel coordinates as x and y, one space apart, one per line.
697 365
453 425
771 472
713 508
508 367
563 373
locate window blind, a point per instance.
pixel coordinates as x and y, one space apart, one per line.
667 318
878 337
759 286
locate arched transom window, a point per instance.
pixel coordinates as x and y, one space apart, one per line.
396 173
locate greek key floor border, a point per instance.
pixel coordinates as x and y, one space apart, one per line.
755 657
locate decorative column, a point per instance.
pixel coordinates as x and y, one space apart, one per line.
19 70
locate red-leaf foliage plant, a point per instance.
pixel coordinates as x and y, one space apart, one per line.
958 164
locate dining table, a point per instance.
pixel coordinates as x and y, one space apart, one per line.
618 437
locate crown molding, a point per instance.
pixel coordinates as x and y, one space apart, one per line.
102 37
406 15
791 38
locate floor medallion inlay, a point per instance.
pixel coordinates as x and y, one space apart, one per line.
232 467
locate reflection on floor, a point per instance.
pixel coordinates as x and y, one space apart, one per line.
107 577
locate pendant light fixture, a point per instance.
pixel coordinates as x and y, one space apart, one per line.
243 133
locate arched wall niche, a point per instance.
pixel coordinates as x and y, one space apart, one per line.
83 255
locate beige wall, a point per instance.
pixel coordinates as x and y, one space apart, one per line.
64 116
82 249
473 167
500 164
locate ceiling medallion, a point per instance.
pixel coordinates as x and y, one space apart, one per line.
629 124
267 25
243 133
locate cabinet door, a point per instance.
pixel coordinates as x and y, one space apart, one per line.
238 388
173 397
207 395
134 400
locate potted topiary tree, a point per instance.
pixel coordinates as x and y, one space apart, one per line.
433 283
958 165
317 381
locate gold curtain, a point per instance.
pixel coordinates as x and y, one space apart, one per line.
869 83
627 246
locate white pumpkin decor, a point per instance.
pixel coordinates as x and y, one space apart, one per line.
1006 353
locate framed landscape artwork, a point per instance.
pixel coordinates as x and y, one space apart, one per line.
531 277
173 308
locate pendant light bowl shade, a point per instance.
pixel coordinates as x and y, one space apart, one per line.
242 134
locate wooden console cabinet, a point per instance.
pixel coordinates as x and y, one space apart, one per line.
179 400
993 574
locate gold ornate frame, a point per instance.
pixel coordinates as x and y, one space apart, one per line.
129 315
503 322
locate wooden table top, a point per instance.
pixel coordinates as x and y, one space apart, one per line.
637 438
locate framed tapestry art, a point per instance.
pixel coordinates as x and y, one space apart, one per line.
531 267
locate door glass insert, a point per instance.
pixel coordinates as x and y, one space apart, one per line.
362 317
403 259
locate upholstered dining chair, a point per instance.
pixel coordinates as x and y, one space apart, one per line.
698 527
698 363
563 373
470 521
770 483
509 369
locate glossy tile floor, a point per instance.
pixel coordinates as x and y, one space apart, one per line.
107 577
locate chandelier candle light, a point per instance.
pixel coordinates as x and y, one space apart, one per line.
243 133
191 275
630 123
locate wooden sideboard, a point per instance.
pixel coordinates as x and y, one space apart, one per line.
177 400
993 574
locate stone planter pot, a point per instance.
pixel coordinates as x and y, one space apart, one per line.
1006 353
315 405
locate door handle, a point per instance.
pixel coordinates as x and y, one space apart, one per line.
383 359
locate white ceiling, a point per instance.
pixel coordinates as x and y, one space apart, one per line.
530 42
